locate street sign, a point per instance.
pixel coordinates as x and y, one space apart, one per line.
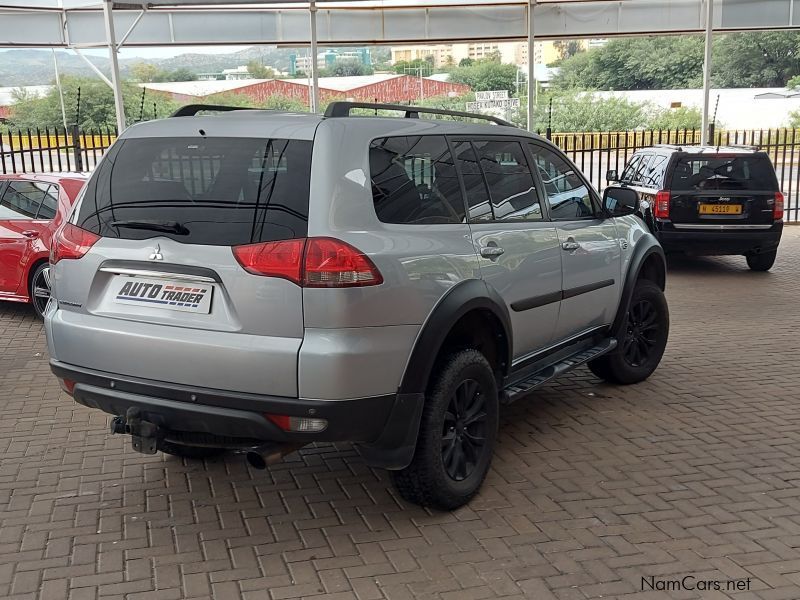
504 104
490 95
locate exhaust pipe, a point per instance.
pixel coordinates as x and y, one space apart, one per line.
263 456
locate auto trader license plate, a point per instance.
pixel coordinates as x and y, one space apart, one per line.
720 209
163 293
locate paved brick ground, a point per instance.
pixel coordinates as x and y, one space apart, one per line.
694 472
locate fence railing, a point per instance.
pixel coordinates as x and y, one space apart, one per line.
48 150
53 150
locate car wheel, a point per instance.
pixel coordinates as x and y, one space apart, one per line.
456 436
641 340
197 452
40 289
762 261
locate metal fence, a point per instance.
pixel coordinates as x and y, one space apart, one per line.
594 152
53 150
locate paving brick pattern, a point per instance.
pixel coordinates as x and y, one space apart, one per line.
694 472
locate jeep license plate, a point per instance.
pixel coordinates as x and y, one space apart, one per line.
162 293
720 209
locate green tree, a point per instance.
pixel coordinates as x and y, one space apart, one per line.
182 74
794 119
487 75
666 62
794 83
347 67
685 117
466 62
96 106
259 71
403 67
756 59
145 72
567 48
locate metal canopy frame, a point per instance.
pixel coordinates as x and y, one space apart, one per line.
80 24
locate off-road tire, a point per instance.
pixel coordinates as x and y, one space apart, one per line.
762 261
617 366
427 481
193 452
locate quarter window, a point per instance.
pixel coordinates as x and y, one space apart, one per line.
630 169
567 194
414 181
49 206
21 200
508 177
654 173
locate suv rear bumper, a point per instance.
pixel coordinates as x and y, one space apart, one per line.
224 415
719 241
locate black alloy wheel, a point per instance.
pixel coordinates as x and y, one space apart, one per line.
641 336
464 431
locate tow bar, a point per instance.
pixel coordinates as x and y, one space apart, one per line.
145 436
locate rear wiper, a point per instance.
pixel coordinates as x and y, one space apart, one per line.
163 226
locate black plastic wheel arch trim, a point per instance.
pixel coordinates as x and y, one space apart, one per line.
646 247
469 295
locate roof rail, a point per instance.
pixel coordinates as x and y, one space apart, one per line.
342 109
191 110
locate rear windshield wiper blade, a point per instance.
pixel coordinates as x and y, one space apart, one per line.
163 226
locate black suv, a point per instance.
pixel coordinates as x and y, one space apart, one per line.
703 200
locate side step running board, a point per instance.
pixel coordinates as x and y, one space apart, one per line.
522 388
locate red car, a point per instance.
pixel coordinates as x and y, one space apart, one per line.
32 206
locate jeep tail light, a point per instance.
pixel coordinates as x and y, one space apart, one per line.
333 263
661 204
71 242
298 424
312 262
777 208
273 259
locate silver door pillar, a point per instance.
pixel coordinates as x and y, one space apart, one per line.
119 105
707 73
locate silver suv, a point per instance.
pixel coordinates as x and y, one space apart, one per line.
260 281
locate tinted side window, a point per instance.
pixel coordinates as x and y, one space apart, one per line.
567 194
653 175
478 201
414 181
223 191
49 205
642 168
630 169
509 179
21 200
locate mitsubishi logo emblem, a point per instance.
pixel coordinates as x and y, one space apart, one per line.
156 255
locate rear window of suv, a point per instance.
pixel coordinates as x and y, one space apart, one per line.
746 172
215 191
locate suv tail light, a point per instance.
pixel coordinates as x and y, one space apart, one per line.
71 242
661 204
777 208
312 262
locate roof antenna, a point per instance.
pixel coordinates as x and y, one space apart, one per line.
713 125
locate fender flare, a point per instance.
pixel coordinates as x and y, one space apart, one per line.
466 296
646 247
395 446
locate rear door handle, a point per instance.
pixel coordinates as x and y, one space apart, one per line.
570 246
491 251
30 233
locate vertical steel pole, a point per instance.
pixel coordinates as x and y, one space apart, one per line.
112 55
312 9
707 72
531 71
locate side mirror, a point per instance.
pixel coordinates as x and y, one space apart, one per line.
620 201
611 175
